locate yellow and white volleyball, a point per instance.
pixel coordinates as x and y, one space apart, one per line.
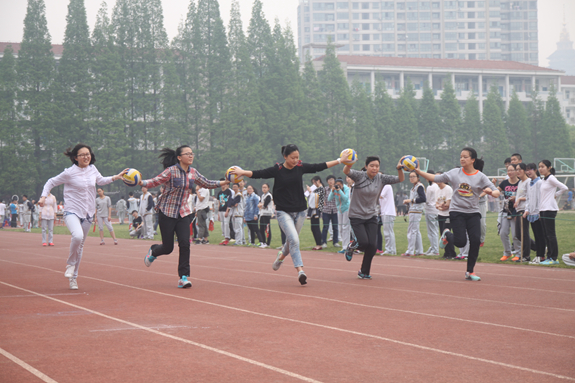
348 159
409 163
233 178
132 177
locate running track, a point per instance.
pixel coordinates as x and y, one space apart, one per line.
416 321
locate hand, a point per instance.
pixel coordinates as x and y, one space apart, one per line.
226 214
237 171
260 205
255 217
399 165
515 204
345 154
110 218
41 201
525 214
119 175
487 191
226 182
406 201
308 188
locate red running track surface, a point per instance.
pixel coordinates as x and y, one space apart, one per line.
418 320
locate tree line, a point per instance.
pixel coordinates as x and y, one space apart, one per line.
234 95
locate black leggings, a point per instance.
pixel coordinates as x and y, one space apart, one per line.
523 235
462 224
365 231
548 220
181 227
254 232
315 230
265 225
539 234
449 248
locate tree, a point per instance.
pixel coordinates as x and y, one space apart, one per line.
536 108
430 126
555 140
387 136
517 126
337 98
364 122
496 147
471 127
450 114
35 68
312 115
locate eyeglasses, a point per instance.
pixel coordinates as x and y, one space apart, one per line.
187 154
84 155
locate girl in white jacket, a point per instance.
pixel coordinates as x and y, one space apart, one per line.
548 208
532 212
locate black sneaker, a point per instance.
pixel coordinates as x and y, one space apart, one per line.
360 275
528 259
205 242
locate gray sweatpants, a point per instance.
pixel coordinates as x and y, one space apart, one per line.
389 234
504 228
414 241
148 226
483 211
239 230
432 232
48 225
344 228
225 221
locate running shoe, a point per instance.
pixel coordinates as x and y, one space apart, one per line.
102 243
225 243
515 259
263 245
443 240
536 261
546 262
471 277
149 258
183 283
523 260
51 244
342 251
222 243
552 261
324 245
278 262
379 252
73 284
44 244
361 275
115 242
349 253
481 244
505 258
302 278
406 255
69 271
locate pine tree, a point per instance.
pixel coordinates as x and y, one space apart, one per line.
536 108
555 140
313 116
471 128
364 122
496 147
430 127
337 98
388 138
406 123
260 41
518 130
72 88
16 153
450 114
35 68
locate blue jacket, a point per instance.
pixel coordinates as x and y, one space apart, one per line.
341 198
252 209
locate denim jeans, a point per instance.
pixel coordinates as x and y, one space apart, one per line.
291 223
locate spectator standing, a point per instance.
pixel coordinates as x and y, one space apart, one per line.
121 208
104 216
340 193
147 213
431 214
2 214
316 196
27 209
508 188
251 215
47 215
266 207
223 197
202 210
387 211
14 213
416 203
236 209
444 195
522 224
132 205
329 214
532 212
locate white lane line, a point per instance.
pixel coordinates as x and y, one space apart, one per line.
173 337
27 367
133 328
407 344
34 296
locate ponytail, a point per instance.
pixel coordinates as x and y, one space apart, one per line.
548 165
533 166
169 157
479 163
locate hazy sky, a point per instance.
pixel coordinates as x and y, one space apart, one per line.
13 12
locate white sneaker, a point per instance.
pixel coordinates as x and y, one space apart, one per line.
73 284
324 246
69 271
535 261
263 245
278 262
337 244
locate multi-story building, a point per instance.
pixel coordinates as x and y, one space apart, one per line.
472 30
476 76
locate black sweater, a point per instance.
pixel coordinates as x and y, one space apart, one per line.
288 184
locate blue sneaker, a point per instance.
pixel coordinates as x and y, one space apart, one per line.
149 258
184 283
360 275
553 262
471 277
342 251
546 262
443 240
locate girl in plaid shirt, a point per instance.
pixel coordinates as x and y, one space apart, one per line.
173 209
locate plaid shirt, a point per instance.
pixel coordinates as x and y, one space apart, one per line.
178 183
329 207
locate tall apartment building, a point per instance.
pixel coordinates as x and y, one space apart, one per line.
472 30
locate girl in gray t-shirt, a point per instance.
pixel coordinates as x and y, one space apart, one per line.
468 182
363 209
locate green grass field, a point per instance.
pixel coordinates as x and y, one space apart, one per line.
491 252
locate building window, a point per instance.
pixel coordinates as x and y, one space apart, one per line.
425 36
436 5
342 36
355 6
365 27
388 26
364 5
342 16
436 26
412 47
471 46
412 26
323 6
355 16
375 36
388 5
342 26
355 36
461 45
356 47
401 6
366 47
449 36
425 47
388 47
401 27
401 47
374 5
436 47
365 37
424 26
344 48
387 36
365 16
342 5
436 15
450 25
450 46
413 37
411 15
495 45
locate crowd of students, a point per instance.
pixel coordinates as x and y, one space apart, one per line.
355 210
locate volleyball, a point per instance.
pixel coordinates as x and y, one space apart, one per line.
234 178
132 177
350 159
409 163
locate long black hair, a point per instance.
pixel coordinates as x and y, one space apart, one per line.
317 178
72 153
547 164
479 163
533 166
289 149
169 157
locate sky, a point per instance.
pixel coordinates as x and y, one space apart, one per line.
12 15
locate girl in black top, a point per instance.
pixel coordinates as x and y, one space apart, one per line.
290 200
